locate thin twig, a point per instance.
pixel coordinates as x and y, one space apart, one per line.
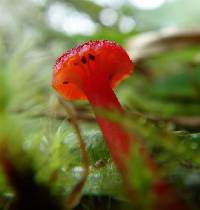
185 121
74 197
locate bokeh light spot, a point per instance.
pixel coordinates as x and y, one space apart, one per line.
108 16
69 20
126 24
147 4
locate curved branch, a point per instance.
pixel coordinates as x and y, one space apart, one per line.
74 197
150 44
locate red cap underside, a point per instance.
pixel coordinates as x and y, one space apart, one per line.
110 59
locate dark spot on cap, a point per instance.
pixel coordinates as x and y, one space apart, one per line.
84 60
65 82
92 57
110 76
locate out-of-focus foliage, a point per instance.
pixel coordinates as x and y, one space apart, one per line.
33 128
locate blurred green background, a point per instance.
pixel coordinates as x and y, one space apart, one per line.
162 96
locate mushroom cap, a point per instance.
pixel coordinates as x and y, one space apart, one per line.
78 65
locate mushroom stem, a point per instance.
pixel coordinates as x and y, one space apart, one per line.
120 143
101 96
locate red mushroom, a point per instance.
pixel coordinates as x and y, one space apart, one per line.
91 71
